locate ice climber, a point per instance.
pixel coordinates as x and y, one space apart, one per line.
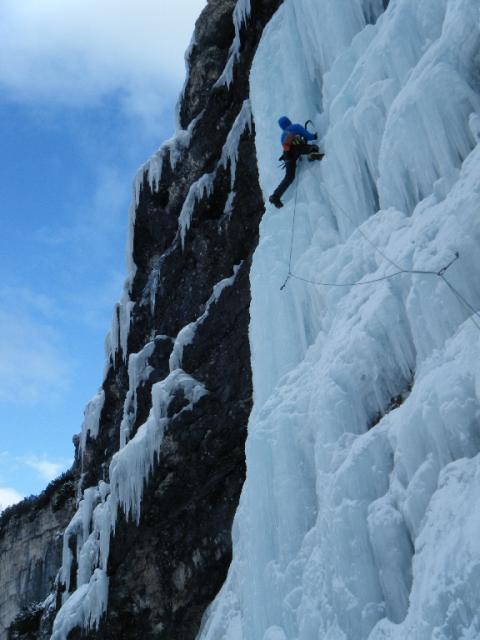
295 139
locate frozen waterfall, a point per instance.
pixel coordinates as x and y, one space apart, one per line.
360 515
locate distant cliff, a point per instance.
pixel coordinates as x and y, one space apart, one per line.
31 539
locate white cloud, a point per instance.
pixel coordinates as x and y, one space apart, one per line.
33 366
94 238
94 304
48 469
79 51
8 497
94 221
24 297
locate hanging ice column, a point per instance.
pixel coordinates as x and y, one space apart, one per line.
92 526
86 544
359 516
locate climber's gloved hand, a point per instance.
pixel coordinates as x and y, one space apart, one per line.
315 136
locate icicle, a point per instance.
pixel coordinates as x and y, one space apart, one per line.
94 522
187 334
91 422
138 372
241 14
203 187
131 466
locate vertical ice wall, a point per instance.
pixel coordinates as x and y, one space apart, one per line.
359 516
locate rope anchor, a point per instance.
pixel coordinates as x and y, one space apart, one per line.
475 317
446 267
285 283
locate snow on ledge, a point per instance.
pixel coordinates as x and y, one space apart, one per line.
204 185
241 13
173 149
91 421
187 334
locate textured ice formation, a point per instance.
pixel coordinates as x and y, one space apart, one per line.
359 516
78 531
84 608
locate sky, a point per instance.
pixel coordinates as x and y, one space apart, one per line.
87 94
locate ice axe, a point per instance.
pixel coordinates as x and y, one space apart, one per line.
320 155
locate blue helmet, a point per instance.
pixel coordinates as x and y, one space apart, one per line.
284 122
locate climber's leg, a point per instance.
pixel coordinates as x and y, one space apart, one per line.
290 170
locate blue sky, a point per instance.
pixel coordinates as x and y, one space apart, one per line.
87 93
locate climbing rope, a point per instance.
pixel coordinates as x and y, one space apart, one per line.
475 317
290 274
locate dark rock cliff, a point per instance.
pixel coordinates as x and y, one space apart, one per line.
165 570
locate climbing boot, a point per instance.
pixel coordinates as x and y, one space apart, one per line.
275 200
315 155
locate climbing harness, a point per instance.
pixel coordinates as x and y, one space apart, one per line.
292 140
475 318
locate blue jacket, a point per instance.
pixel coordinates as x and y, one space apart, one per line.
297 129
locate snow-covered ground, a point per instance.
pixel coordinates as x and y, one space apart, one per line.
360 516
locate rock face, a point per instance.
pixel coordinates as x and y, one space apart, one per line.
194 230
31 548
